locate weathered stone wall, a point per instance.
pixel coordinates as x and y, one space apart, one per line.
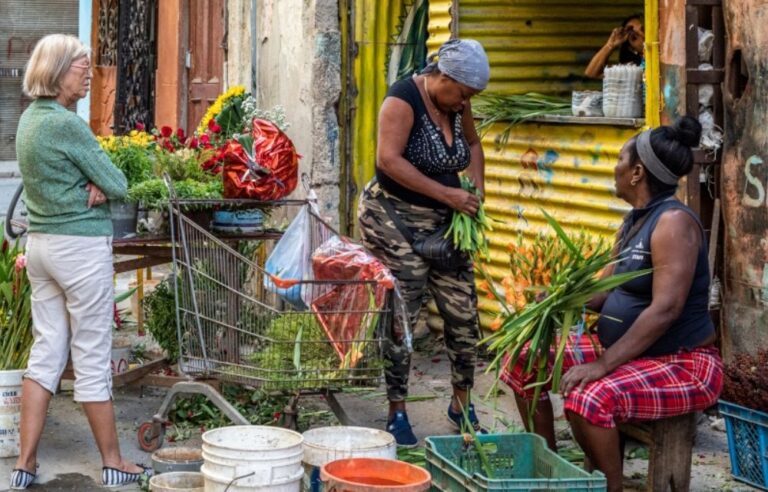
745 177
298 67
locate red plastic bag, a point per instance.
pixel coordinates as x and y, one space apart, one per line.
269 171
349 313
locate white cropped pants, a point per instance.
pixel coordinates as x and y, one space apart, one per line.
72 310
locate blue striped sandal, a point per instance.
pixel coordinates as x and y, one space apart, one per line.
112 477
21 479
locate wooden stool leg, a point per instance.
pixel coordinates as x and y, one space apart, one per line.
669 467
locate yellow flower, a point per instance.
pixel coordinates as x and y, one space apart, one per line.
215 108
112 143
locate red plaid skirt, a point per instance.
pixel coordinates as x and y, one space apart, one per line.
648 388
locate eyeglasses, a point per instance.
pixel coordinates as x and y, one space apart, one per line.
87 68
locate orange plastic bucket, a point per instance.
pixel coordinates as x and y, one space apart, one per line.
374 475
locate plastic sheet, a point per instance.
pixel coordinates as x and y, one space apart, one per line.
349 313
289 263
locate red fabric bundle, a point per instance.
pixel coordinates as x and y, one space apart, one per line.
269 172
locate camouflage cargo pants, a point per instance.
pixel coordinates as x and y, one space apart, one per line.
453 291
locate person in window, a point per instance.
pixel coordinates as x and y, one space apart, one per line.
629 39
426 138
656 356
68 182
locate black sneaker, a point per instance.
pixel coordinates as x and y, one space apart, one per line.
399 427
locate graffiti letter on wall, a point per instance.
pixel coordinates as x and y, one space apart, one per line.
747 199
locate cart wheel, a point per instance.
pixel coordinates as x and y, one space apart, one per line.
151 436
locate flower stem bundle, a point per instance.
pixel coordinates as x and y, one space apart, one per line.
572 265
469 233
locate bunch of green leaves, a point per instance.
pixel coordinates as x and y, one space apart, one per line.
469 233
230 119
160 318
153 193
15 307
258 407
134 160
183 164
513 109
545 324
298 352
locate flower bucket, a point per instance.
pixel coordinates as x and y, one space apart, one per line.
124 218
10 412
234 221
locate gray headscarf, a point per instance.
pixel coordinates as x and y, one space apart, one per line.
465 61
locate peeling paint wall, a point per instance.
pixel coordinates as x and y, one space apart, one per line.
238 69
672 58
745 177
299 62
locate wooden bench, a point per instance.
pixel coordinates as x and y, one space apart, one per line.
670 443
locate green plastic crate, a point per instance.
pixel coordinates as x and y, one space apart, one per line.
519 462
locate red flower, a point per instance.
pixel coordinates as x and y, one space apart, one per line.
140 127
180 134
215 128
167 145
193 143
166 131
205 140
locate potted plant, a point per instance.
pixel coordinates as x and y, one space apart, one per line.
15 340
133 155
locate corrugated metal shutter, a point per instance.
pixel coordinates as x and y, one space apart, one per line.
22 23
565 169
541 45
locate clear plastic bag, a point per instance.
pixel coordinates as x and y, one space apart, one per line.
289 263
349 313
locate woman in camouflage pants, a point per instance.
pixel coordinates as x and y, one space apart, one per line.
426 137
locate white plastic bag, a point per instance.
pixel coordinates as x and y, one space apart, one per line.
290 261
706 40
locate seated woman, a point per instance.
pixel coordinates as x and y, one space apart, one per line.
656 357
629 39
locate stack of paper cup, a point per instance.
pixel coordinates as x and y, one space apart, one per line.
622 91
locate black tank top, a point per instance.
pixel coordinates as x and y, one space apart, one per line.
427 149
625 303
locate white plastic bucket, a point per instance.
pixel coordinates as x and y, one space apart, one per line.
177 482
326 444
252 458
10 412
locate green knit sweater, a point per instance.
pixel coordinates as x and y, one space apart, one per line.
58 156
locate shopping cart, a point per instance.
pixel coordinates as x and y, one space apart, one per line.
235 326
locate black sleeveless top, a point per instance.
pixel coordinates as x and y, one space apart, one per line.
625 303
427 149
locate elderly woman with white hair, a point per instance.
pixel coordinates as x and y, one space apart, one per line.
426 138
68 181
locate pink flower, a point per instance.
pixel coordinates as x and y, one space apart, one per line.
21 262
140 127
166 131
